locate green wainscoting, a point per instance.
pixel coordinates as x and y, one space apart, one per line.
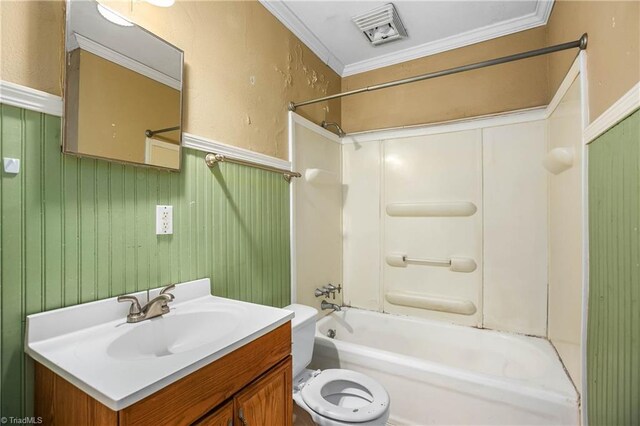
613 345
75 230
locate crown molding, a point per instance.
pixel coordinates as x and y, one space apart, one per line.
290 20
31 99
208 145
621 109
535 19
122 60
281 11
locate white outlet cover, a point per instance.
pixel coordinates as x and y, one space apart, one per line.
164 220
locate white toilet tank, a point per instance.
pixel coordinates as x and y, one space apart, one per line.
303 330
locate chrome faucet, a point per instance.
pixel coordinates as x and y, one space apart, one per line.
328 305
155 307
321 292
327 290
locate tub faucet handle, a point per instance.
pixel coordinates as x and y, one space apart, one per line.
331 289
320 293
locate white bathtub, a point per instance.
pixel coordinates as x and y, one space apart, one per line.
438 373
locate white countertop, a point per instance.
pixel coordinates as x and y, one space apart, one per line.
92 346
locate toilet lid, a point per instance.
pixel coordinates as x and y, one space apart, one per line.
346 396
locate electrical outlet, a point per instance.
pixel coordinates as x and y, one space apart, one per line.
164 220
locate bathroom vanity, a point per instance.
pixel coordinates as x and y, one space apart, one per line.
210 361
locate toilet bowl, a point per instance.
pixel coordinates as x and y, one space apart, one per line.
332 397
341 397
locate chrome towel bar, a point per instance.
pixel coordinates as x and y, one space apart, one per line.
212 159
436 262
455 264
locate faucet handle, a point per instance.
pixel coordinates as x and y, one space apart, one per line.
320 293
333 288
135 308
167 289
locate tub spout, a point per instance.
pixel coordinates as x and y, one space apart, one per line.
327 305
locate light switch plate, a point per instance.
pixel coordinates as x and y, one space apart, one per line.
11 165
164 220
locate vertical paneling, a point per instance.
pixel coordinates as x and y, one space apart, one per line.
77 229
11 270
514 197
613 344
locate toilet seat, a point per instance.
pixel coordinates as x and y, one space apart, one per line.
340 383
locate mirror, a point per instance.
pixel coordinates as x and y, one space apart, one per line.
123 90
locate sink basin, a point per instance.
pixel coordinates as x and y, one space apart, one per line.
93 347
173 334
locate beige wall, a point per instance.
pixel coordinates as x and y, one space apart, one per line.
613 53
32 41
242 66
613 68
506 87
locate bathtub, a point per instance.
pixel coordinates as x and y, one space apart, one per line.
439 373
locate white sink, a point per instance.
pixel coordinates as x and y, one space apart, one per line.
170 335
118 363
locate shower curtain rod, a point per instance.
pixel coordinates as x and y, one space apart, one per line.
581 43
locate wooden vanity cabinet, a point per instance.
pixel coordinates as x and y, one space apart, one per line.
252 383
267 401
222 416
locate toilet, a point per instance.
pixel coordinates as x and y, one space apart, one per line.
332 397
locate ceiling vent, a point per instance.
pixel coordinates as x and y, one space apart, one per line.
381 25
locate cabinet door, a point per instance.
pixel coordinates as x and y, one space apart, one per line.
223 416
268 400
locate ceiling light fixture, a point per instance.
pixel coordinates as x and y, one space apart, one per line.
113 17
381 25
